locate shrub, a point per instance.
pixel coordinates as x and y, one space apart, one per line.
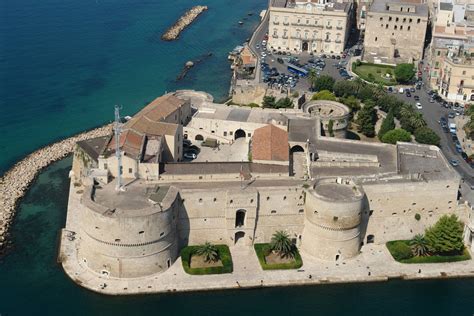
417 216
284 103
354 65
388 124
268 102
396 135
371 77
324 82
224 255
253 105
331 128
324 95
404 72
262 250
295 94
426 135
445 237
379 71
400 249
358 62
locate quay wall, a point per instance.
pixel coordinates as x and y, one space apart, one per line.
173 32
15 182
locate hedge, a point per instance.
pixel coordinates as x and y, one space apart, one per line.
224 255
397 250
263 249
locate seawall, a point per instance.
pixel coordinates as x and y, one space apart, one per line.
173 32
16 181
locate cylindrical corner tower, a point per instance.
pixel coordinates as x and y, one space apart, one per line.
333 213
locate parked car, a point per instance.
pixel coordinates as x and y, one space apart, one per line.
417 98
418 106
454 162
401 91
189 155
451 115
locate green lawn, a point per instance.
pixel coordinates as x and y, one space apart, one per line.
224 256
263 249
378 72
391 245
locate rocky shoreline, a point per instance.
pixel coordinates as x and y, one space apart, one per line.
16 181
173 32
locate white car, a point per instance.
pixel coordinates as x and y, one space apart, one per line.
401 90
418 105
264 54
190 155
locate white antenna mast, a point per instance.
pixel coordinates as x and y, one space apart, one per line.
118 154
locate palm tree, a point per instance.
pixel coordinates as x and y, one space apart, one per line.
406 110
358 84
419 245
282 244
208 251
379 91
417 121
312 77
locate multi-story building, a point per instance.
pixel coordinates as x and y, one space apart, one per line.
452 48
395 31
317 26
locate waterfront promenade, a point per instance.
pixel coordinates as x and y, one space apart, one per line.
16 181
374 264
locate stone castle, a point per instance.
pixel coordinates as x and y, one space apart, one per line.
273 170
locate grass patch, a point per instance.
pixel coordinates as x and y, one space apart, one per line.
374 73
263 249
224 255
396 245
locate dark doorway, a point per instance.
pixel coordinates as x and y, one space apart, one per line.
239 134
305 46
240 218
370 239
239 238
296 149
337 257
198 137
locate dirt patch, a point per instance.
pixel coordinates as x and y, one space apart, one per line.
274 258
198 262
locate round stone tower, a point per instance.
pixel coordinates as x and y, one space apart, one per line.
128 234
332 223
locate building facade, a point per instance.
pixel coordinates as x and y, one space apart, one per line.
395 32
451 64
309 26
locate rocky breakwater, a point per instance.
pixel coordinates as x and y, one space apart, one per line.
15 182
173 32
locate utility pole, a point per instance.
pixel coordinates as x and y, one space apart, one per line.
118 154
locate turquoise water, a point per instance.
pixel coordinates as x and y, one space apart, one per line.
63 65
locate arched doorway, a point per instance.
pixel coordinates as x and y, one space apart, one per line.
240 218
296 149
239 134
199 137
239 238
305 46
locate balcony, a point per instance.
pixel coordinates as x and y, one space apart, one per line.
319 26
339 27
338 41
276 23
327 40
329 27
295 36
274 36
286 23
285 36
299 24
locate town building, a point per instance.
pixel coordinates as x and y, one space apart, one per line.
317 26
395 31
451 67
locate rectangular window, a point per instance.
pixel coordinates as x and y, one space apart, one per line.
225 133
105 166
130 170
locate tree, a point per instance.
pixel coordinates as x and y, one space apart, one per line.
268 101
344 88
312 77
419 245
404 72
389 103
366 119
281 244
426 135
366 93
352 102
284 103
208 251
417 120
324 82
388 124
330 128
324 95
396 135
445 237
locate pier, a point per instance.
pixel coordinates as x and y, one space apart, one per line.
173 32
16 181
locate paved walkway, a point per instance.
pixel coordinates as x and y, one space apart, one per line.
373 264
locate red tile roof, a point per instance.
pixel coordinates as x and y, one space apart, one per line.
270 143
